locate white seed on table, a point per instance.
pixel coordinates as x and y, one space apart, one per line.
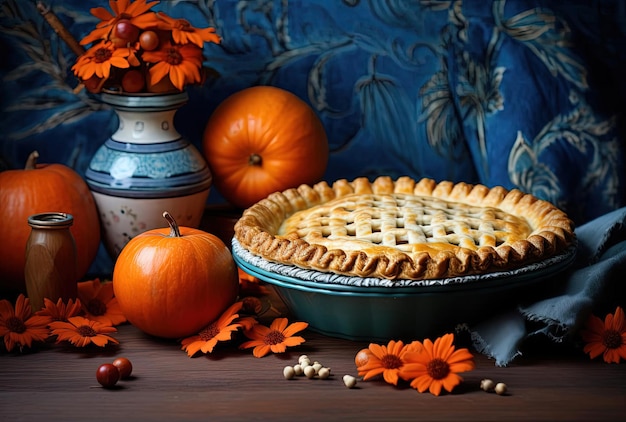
317 366
302 357
500 388
309 371
487 385
323 373
349 381
288 372
298 370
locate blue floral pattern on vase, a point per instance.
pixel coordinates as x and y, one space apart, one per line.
118 169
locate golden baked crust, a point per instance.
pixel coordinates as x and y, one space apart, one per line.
403 229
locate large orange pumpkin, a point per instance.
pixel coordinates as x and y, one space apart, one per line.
262 140
171 282
43 188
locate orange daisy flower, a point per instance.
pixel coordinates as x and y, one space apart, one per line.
99 59
386 360
275 338
81 331
183 32
19 326
60 311
220 330
122 9
99 303
606 338
181 62
433 366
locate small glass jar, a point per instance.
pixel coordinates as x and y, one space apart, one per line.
50 269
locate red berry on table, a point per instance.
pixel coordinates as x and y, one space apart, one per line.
124 366
107 375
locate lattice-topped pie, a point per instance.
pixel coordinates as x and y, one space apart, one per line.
403 229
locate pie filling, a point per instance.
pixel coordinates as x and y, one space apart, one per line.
403 228
407 223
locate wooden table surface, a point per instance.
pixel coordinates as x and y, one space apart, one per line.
57 383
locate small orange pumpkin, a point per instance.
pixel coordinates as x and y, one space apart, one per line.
172 282
262 140
43 188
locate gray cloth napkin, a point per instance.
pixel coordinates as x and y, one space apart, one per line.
589 285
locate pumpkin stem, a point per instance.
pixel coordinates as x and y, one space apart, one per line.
255 160
174 230
31 161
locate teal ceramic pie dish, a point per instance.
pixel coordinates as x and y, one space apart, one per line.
367 309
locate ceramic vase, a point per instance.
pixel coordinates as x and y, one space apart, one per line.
145 168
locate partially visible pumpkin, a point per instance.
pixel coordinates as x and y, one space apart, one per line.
262 140
43 188
171 282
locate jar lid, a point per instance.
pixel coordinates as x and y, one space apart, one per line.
51 219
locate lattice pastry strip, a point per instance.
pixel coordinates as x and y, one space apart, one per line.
402 221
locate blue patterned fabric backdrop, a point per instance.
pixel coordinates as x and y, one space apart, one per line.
518 93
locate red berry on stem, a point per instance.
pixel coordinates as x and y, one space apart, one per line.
124 32
93 84
149 40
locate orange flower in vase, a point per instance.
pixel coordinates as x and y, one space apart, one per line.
137 50
181 63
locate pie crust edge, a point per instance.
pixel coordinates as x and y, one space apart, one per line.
552 231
